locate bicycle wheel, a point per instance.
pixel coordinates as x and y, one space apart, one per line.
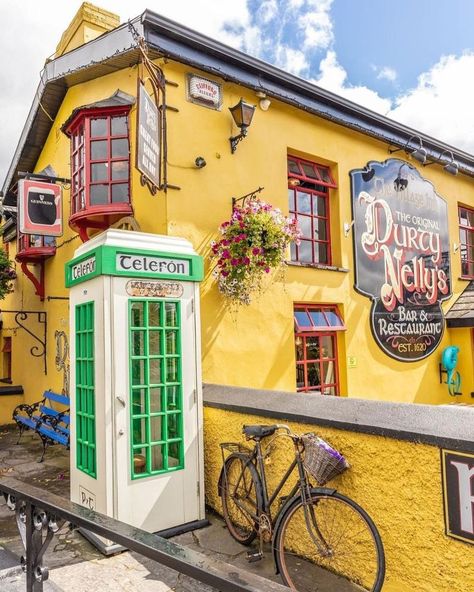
334 545
242 498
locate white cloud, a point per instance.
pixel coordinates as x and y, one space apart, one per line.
442 102
316 25
333 77
387 73
292 60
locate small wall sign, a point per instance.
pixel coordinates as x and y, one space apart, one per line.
40 208
401 253
204 92
148 137
458 494
86 498
154 289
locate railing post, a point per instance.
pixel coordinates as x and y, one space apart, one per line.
33 544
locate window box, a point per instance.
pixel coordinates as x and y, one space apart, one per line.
34 248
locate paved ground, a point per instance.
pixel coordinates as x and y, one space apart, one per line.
76 566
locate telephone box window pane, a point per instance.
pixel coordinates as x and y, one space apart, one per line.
155 343
156 405
157 457
155 371
156 428
119 126
171 370
173 398
171 342
99 194
137 314
98 127
140 461
138 372
154 314
139 401
119 148
99 150
138 343
174 454
139 431
171 316
120 193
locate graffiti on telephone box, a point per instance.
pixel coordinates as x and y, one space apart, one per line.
401 253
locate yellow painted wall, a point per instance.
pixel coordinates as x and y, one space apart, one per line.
398 483
255 345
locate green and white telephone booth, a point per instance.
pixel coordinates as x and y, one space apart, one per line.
136 435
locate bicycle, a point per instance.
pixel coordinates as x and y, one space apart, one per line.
321 539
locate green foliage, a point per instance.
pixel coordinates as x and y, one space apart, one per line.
7 275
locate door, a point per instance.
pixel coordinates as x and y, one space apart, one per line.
156 415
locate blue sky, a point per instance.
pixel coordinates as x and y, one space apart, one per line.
411 60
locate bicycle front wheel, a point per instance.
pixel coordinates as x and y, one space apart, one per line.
242 498
329 544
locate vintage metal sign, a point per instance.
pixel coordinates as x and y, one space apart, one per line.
40 208
401 254
148 137
154 289
458 494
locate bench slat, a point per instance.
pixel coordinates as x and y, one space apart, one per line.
53 435
57 398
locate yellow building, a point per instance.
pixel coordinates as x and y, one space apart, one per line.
386 251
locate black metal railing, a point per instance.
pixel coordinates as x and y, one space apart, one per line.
41 514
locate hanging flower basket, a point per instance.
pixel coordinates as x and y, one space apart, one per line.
7 275
254 242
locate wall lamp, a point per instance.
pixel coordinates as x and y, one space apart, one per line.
242 114
451 167
419 153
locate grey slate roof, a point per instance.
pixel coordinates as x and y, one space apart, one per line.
461 313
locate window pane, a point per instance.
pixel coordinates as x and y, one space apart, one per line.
327 346
140 461
171 369
156 428
120 170
157 457
138 401
119 192
333 318
293 167
99 194
299 347
119 126
319 205
328 372
156 405
300 376
171 342
174 454
153 314
172 395
321 253
302 318
314 376
305 251
120 147
293 252
98 127
99 150
324 174
463 219
138 372
138 343
173 425
139 431
137 314
312 348
305 225
320 231
309 170
303 201
154 346
100 172
49 241
171 314
155 371
291 200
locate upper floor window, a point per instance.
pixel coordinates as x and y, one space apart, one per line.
466 239
100 159
308 201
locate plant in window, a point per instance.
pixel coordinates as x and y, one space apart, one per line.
254 242
7 274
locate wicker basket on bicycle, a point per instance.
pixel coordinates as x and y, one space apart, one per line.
321 460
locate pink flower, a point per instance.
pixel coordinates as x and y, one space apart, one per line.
234 261
256 251
226 254
226 242
224 273
246 261
267 270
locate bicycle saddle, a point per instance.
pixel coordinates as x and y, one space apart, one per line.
258 431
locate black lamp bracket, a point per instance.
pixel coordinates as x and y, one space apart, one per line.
234 140
243 199
42 318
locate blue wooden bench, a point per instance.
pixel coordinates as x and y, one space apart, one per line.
50 424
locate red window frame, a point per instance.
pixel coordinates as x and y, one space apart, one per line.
315 327
308 202
466 241
82 140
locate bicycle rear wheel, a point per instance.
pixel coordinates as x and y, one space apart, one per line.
334 545
242 498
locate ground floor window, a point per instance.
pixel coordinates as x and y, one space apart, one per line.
316 328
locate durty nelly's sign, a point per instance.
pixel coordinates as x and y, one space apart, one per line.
401 252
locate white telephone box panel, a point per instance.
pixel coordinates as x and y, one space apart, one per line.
136 434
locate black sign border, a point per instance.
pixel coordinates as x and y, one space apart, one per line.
444 485
374 300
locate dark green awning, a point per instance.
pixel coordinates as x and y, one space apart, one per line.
461 313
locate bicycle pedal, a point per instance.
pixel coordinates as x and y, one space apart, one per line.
254 557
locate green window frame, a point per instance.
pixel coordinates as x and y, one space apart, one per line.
86 459
156 420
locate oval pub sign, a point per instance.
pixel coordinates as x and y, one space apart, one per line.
401 254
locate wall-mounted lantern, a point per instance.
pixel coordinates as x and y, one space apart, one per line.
419 153
242 114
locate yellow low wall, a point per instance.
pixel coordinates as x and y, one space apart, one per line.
399 484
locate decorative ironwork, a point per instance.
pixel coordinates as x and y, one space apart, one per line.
62 358
42 318
244 198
